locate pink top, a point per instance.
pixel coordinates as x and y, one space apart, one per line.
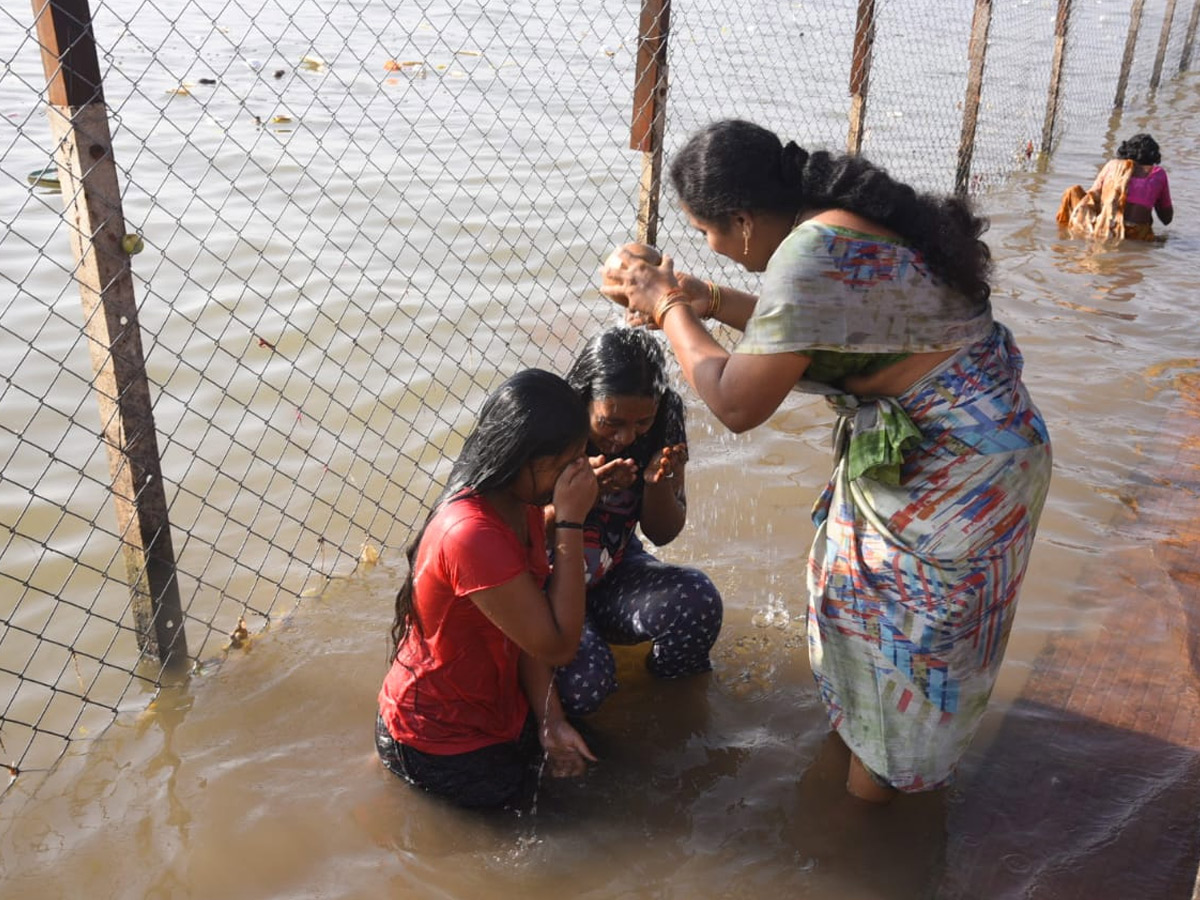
1150 190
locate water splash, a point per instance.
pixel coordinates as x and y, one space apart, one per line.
775 615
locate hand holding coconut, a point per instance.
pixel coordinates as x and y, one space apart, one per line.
639 278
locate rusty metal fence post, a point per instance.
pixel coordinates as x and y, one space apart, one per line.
650 112
1185 57
1164 39
1135 24
101 248
977 55
1056 69
860 73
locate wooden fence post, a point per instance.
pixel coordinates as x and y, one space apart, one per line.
650 112
92 200
1189 40
1056 69
1164 39
860 73
1135 23
977 53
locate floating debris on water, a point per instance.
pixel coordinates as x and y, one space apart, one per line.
411 66
181 90
313 63
208 81
240 635
414 68
280 120
45 178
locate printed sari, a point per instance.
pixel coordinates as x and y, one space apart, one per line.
925 527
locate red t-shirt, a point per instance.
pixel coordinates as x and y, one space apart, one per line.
454 685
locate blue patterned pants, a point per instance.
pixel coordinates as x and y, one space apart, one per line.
677 609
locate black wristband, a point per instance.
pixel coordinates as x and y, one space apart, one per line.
563 523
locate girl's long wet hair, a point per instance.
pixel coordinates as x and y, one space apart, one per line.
736 165
625 362
533 414
1142 149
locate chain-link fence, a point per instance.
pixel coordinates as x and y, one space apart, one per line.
356 219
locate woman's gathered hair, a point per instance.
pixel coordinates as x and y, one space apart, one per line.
533 414
1142 149
736 165
625 362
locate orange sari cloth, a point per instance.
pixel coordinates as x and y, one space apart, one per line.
1100 211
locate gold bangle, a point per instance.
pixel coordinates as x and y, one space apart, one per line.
667 302
714 299
663 308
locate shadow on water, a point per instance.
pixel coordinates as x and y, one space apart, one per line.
1066 807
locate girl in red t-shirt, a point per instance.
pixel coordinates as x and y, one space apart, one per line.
481 616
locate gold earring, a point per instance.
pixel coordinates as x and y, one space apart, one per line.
746 240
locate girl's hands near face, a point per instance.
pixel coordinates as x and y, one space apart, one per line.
671 460
614 475
567 754
575 491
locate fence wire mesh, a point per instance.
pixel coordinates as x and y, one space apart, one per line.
357 219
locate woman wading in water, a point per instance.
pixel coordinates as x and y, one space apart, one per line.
877 298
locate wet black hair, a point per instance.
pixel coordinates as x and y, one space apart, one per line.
625 362
532 415
736 165
1142 149
619 362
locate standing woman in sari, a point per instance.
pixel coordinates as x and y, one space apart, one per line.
877 298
